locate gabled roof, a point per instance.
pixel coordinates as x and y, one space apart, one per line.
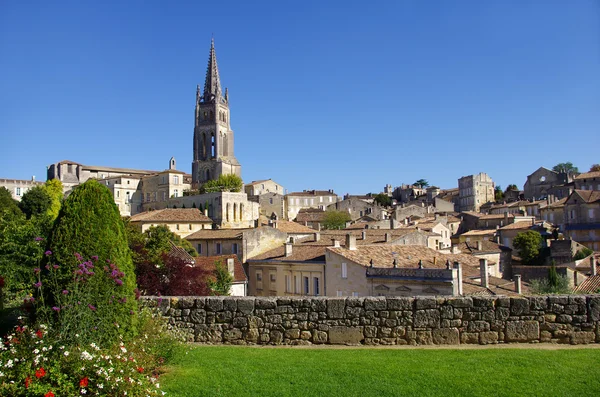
209 263
310 215
291 227
260 181
300 253
486 246
521 225
590 286
218 234
586 175
588 196
191 215
312 193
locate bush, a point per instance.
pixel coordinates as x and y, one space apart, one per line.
35 363
89 226
336 219
528 245
554 284
35 201
225 183
582 253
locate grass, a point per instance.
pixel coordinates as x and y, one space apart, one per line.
251 371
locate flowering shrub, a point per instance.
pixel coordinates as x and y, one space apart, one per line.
86 305
32 363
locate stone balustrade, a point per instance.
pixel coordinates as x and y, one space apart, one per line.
573 319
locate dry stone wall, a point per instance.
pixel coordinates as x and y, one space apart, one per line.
571 319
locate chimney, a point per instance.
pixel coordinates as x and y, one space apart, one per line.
479 245
274 224
350 241
593 266
317 236
33 178
483 271
405 221
336 243
518 283
454 249
288 249
497 239
458 267
364 234
319 226
388 237
505 218
206 212
230 266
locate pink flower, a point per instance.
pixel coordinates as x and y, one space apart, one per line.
92 307
48 253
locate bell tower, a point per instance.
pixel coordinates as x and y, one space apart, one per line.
213 137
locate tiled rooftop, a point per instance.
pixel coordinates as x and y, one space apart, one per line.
172 215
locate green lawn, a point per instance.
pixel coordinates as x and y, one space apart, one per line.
251 371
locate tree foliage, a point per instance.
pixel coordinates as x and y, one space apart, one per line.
225 183
89 225
528 244
174 277
35 201
512 186
383 199
54 188
421 183
498 194
221 285
595 167
335 220
566 168
7 203
554 284
582 253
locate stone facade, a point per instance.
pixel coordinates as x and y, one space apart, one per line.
18 187
384 321
258 188
358 208
318 199
582 218
474 191
541 181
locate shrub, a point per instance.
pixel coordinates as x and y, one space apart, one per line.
36 201
554 284
221 285
225 183
89 226
582 253
336 219
528 245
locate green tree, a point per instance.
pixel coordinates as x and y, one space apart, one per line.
225 183
528 244
567 168
383 199
35 201
54 188
511 187
499 195
89 226
582 253
336 220
554 284
595 167
221 285
7 203
421 183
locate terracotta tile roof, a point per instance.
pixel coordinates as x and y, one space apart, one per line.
172 215
495 216
521 225
497 286
300 253
585 175
486 246
310 215
589 196
408 256
209 263
558 204
479 232
218 234
257 182
590 286
179 252
312 193
374 236
453 219
291 227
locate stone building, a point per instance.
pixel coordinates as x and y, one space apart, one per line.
588 181
474 191
582 218
358 208
318 199
271 205
213 137
18 187
257 188
162 186
181 221
539 183
554 212
126 193
239 284
408 193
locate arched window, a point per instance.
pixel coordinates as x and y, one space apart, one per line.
212 146
227 212
205 116
208 175
225 145
203 146
234 211
241 212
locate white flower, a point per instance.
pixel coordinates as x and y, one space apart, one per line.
86 356
100 386
36 351
62 348
66 353
9 364
83 391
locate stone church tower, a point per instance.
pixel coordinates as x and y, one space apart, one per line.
213 137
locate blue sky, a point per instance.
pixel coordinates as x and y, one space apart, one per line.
345 95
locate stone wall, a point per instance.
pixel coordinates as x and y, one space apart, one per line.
384 321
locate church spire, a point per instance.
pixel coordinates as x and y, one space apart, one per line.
212 84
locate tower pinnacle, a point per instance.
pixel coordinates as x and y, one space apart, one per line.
212 83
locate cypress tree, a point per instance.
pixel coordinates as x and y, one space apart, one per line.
89 226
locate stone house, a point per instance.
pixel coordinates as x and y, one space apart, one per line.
541 180
317 199
18 187
582 218
588 181
311 217
239 285
357 208
258 188
402 212
181 221
475 220
449 196
442 205
294 230
499 256
288 270
474 191
245 243
472 236
126 193
554 212
409 193
162 186
509 232
271 205
393 270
